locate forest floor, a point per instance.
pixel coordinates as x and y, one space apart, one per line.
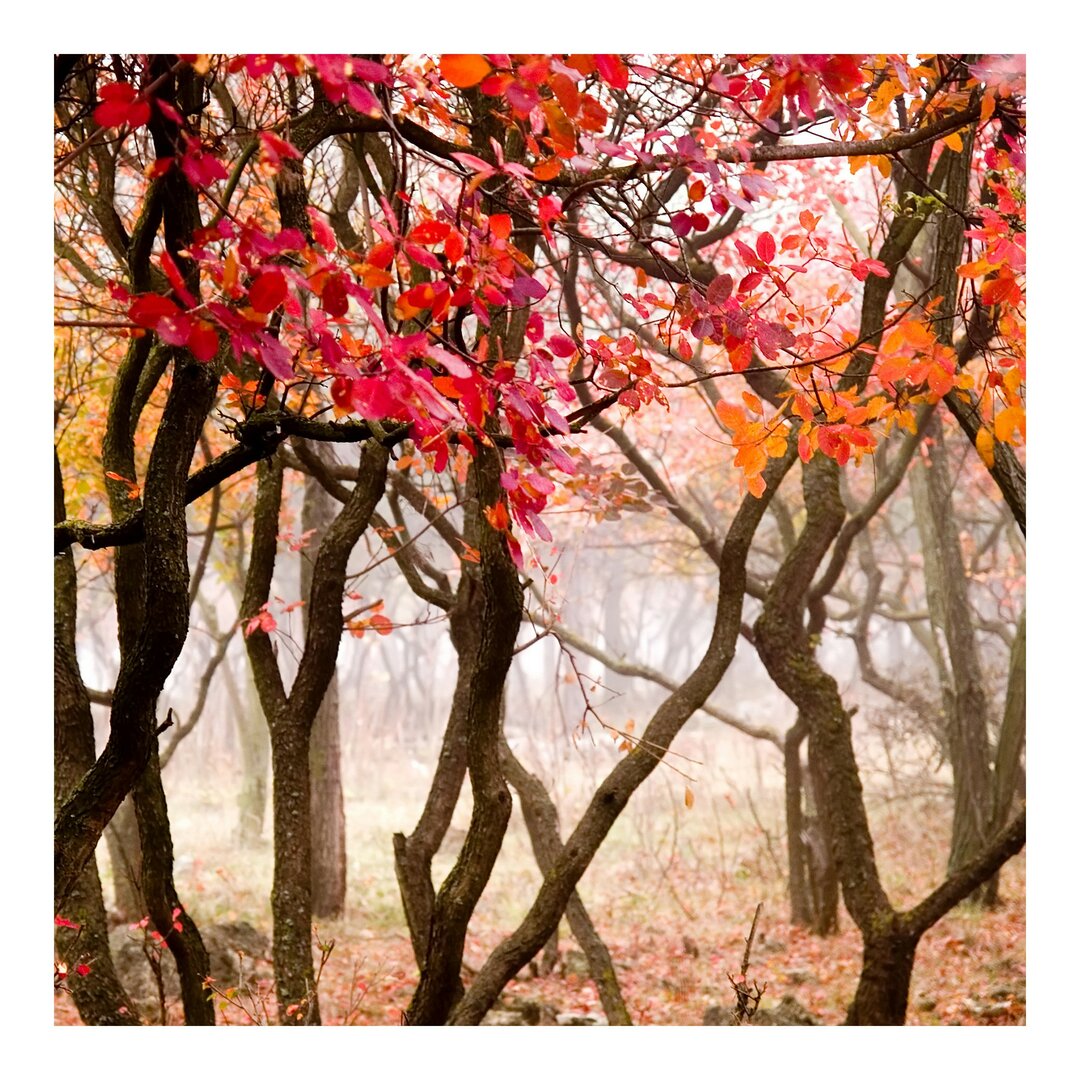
672 892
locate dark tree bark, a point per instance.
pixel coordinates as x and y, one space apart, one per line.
291 716
99 996
542 823
889 937
151 644
484 628
963 693
168 915
413 853
615 791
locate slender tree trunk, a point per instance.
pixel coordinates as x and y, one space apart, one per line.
413 853
962 685
166 912
99 995
615 791
125 855
486 621
821 859
291 716
328 860
542 823
290 898
881 997
151 644
799 896
254 740
1010 747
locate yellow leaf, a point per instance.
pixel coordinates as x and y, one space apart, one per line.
1008 421
688 798
984 443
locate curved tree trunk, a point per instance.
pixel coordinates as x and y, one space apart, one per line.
291 716
542 822
631 771
151 644
99 995
413 853
486 621
166 912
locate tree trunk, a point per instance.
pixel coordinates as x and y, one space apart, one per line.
882 994
290 898
615 791
167 914
542 822
484 628
962 686
254 740
291 716
1010 747
821 860
99 996
328 861
799 896
125 855
413 853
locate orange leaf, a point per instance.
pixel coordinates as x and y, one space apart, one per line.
548 169
984 443
497 516
1009 420
464 69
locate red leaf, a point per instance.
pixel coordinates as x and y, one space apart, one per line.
147 310
429 232
500 225
719 289
174 329
268 291
612 70
681 224
121 105
561 345
766 247
203 342
335 299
